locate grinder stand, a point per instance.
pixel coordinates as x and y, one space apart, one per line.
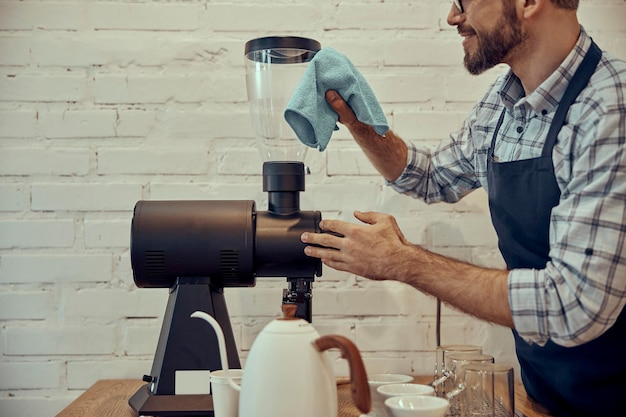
186 344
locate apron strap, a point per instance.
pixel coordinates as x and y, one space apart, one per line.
578 82
492 147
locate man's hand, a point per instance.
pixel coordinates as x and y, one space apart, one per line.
345 113
368 250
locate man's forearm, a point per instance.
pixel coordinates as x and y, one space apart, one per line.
387 153
480 292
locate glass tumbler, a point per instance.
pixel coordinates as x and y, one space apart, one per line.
455 364
487 390
441 373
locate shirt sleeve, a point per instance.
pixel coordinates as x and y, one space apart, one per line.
457 165
442 174
582 290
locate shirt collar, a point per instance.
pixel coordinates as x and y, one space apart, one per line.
547 96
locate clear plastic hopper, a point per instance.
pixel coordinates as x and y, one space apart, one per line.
274 67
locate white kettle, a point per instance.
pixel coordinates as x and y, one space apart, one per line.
287 372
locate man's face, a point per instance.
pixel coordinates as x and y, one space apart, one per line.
493 43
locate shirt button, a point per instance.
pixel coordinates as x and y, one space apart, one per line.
544 112
520 129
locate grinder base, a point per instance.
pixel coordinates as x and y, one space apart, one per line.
147 404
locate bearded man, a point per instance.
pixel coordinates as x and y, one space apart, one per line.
546 142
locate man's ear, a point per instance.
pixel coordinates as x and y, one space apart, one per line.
530 8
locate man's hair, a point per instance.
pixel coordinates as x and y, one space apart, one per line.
566 4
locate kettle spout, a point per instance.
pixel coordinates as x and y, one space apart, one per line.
221 343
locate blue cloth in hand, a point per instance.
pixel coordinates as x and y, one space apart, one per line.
312 118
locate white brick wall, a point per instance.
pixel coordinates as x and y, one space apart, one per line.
103 103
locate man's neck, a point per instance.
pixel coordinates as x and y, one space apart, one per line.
544 50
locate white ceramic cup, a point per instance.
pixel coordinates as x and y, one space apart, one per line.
417 406
225 397
398 390
376 380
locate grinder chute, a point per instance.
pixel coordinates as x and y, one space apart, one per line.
197 248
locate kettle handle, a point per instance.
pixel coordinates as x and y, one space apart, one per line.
358 376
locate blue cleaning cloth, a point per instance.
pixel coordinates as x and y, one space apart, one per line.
312 118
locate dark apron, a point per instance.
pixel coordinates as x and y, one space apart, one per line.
586 380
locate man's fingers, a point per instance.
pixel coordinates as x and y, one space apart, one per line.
335 227
325 254
322 239
337 103
368 217
337 265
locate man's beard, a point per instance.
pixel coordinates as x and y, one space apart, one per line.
495 45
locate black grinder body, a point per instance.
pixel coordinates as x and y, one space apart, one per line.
228 242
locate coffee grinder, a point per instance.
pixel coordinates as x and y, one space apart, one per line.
198 248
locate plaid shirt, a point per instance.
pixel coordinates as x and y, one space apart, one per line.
582 289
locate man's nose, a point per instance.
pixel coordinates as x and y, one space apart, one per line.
455 16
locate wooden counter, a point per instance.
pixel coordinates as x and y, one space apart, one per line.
109 398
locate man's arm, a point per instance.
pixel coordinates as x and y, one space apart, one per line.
387 153
378 250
